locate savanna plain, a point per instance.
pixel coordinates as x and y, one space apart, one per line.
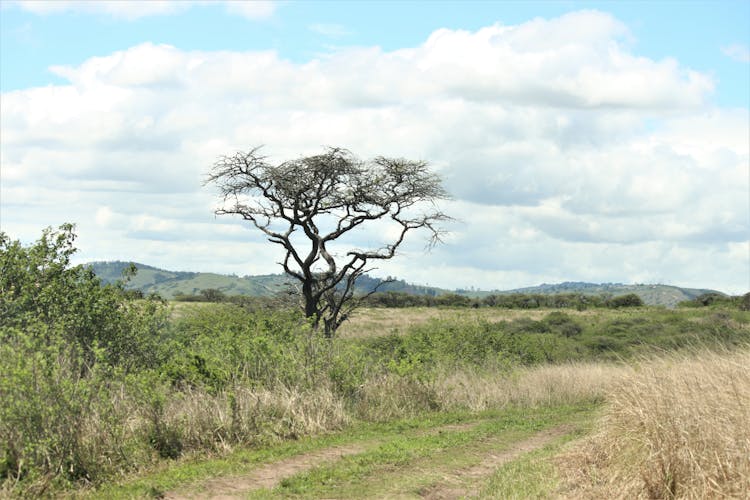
107 395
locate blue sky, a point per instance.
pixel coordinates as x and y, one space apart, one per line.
694 32
581 141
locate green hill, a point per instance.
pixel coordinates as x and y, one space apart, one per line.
665 295
168 284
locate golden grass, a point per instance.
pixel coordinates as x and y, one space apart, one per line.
529 387
677 427
246 415
371 322
390 396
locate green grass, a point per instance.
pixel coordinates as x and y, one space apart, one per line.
171 475
403 456
407 464
533 475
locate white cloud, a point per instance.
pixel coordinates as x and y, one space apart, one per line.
124 9
136 9
330 30
255 9
737 51
569 155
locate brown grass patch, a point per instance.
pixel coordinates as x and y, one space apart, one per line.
677 427
375 321
529 387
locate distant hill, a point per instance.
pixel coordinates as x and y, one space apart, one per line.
168 284
665 295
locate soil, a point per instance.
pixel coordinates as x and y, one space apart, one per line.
267 476
451 486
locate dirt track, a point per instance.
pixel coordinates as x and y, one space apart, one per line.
458 483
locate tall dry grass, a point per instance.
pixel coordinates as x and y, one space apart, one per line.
126 433
252 416
390 396
529 387
677 427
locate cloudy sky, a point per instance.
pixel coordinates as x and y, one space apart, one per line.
580 141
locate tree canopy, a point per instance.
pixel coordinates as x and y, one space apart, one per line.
307 204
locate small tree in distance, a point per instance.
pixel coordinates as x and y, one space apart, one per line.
307 204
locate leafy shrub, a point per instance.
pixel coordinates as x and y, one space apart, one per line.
528 325
54 421
38 286
627 300
604 344
561 323
222 344
66 345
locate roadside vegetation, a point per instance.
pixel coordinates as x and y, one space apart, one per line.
98 385
578 301
674 427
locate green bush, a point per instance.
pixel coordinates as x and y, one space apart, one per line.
627 300
459 343
563 324
54 420
66 345
227 344
39 286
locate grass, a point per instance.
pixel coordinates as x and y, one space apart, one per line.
192 470
676 427
544 385
376 321
179 309
532 476
516 406
240 390
405 464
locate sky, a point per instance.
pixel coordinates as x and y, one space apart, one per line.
579 141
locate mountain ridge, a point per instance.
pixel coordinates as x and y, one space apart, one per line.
169 284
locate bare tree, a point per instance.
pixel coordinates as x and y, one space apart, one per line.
306 205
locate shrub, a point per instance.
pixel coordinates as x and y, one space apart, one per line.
55 423
628 300
66 346
226 344
563 324
38 286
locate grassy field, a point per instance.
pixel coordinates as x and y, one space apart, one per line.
399 458
675 427
407 403
369 322
668 427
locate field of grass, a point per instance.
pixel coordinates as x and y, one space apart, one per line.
402 457
673 426
421 402
369 322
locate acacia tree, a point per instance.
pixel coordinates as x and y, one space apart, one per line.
306 205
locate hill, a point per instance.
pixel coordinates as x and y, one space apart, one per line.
665 295
168 284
